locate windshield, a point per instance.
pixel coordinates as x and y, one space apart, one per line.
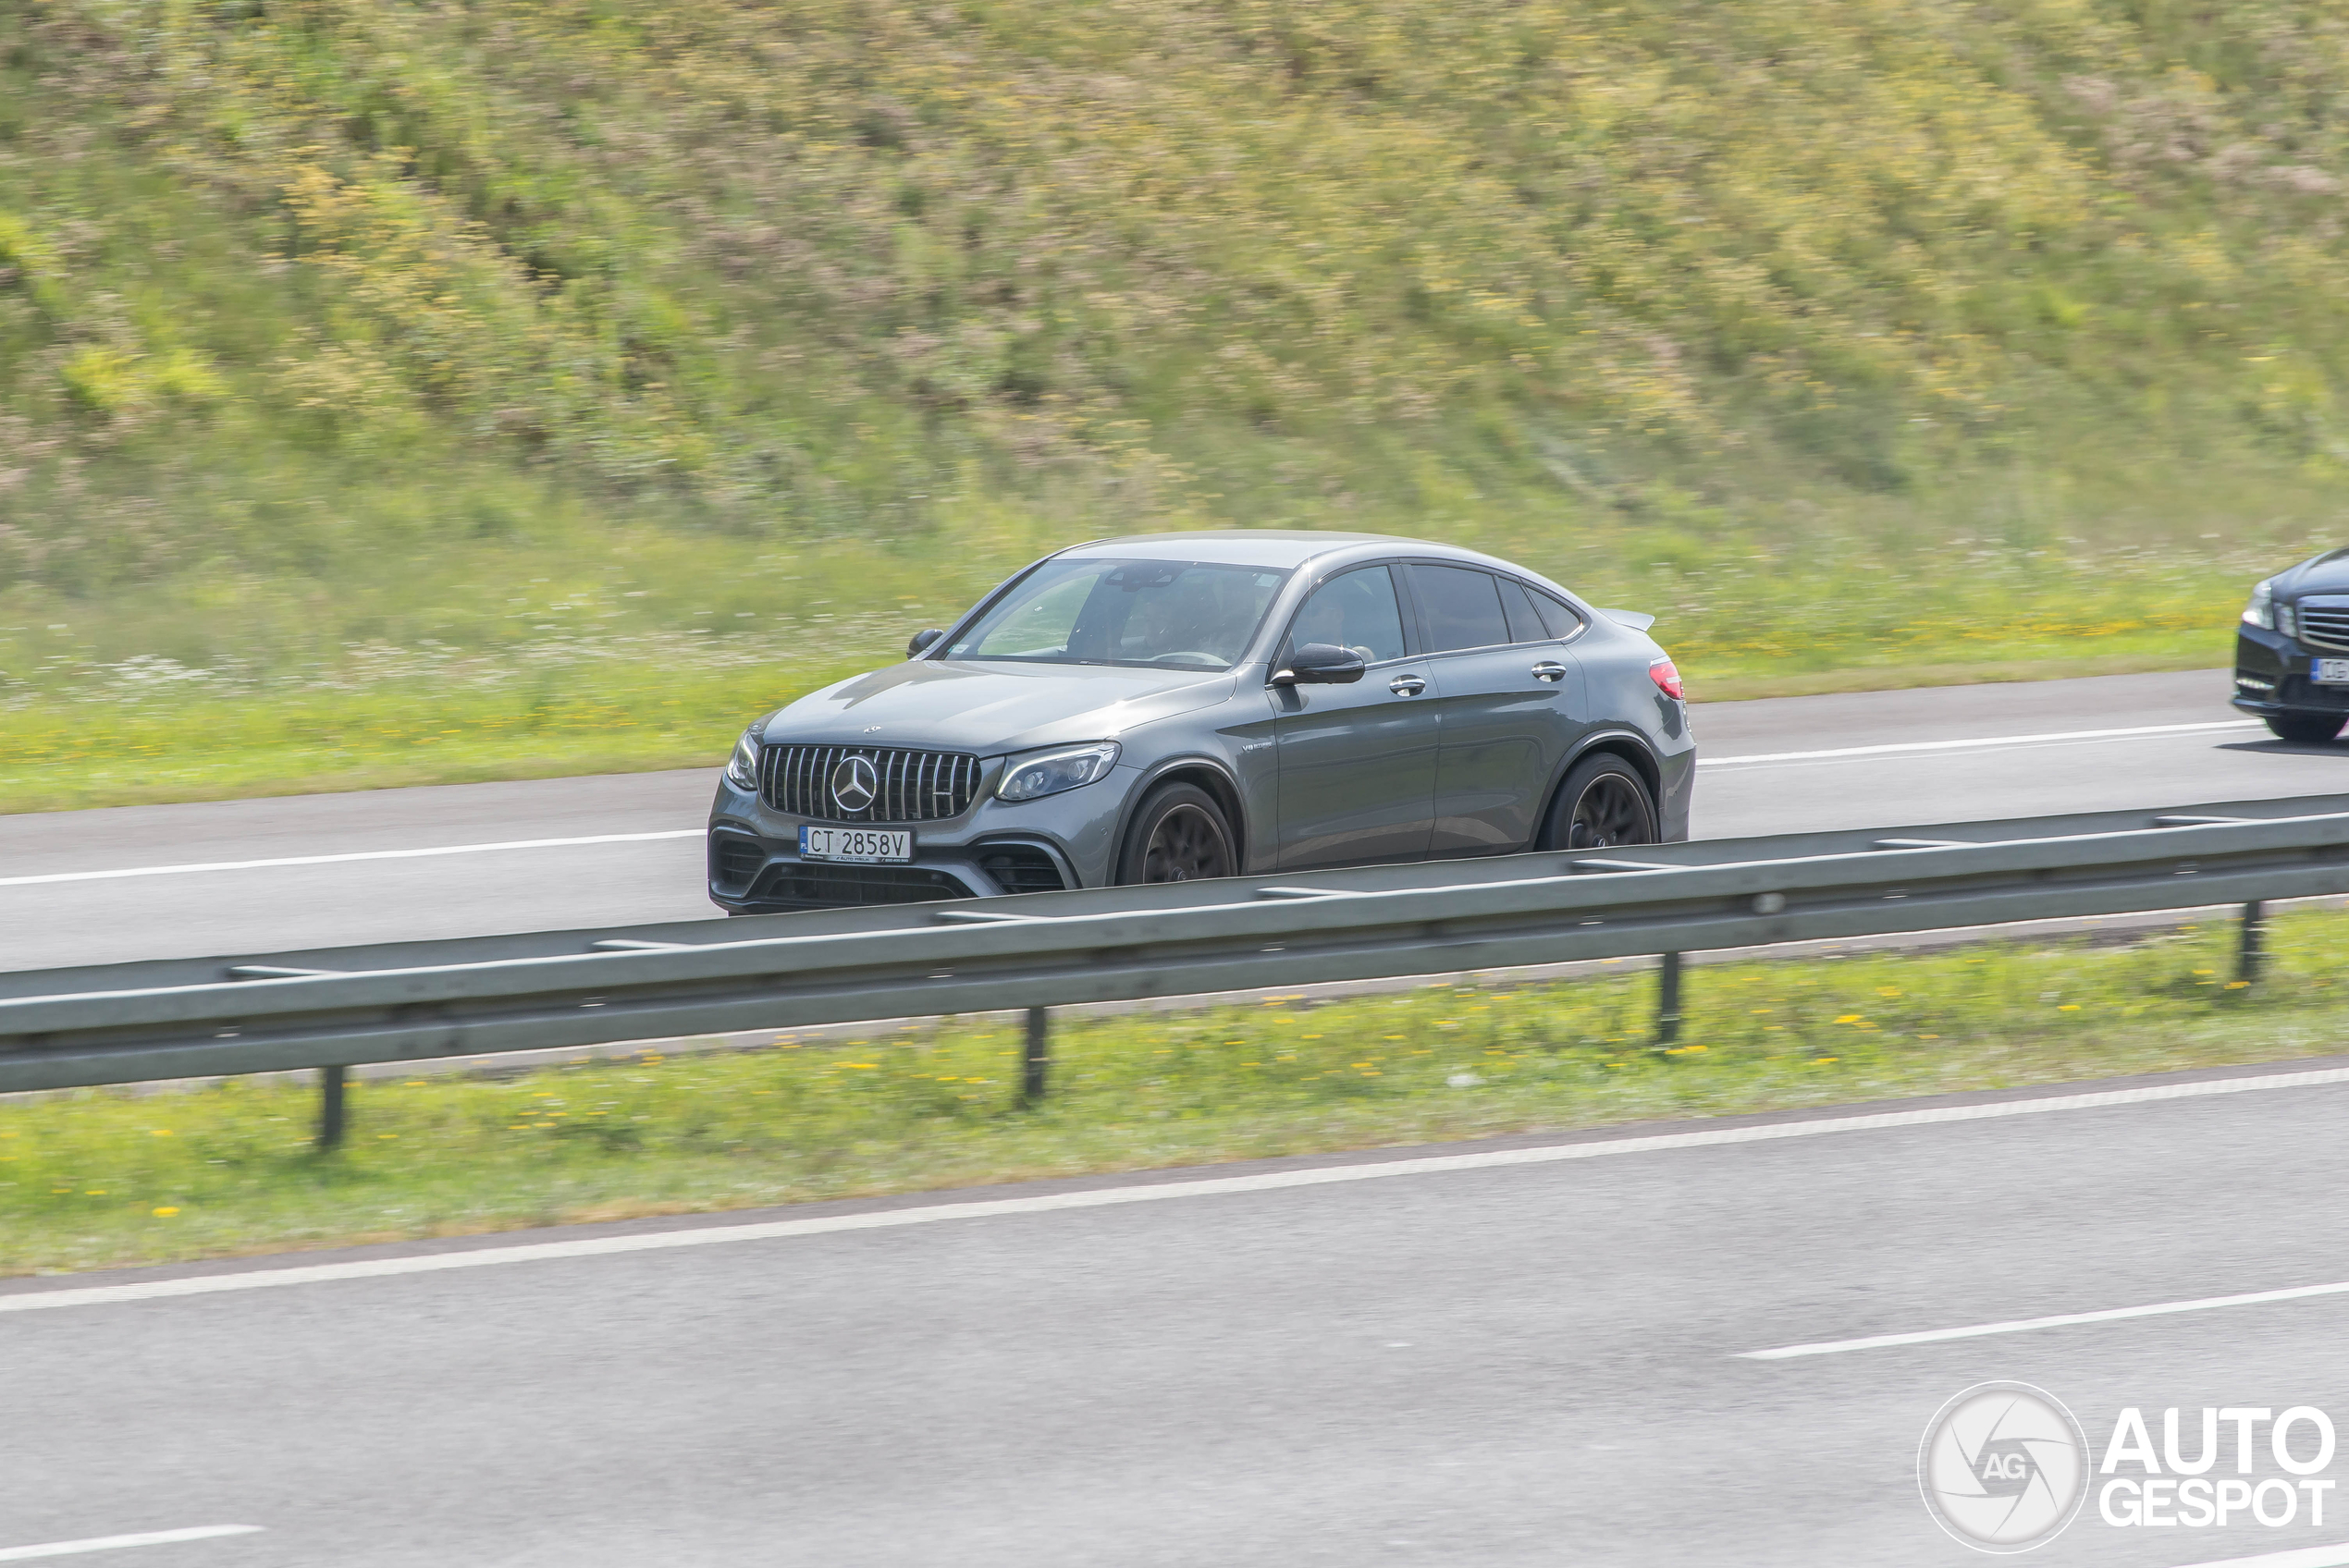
1173 614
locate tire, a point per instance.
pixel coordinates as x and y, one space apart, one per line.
1179 834
2306 729
1603 803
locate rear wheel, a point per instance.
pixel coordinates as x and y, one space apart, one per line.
1180 834
2306 729
1603 803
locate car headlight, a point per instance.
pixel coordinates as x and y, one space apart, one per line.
741 768
1031 777
2261 611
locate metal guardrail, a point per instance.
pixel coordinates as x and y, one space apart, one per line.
337 1008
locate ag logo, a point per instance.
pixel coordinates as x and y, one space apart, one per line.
855 783
2004 1466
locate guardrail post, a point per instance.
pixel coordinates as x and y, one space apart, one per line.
1036 1059
1667 999
330 1105
2252 951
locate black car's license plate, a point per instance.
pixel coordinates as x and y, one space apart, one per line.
2329 672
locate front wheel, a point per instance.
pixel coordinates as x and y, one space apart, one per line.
2306 729
1180 834
1603 803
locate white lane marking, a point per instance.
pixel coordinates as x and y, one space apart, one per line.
1886 750
343 858
2302 1557
1103 1197
115 1543
2024 1325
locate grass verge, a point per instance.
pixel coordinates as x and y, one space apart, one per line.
112 1178
630 719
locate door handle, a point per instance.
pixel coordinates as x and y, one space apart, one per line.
1406 685
1549 669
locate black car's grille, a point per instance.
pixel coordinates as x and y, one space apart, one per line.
1020 868
807 885
894 786
733 861
2325 626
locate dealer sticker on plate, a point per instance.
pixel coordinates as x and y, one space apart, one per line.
2331 672
869 845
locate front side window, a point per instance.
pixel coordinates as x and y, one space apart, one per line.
1357 610
1459 608
1170 615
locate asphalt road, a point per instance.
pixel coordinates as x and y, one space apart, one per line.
625 848
1536 1363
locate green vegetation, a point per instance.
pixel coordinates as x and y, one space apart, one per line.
363 363
103 1178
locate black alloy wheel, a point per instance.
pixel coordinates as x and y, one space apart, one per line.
1179 836
1601 804
2306 729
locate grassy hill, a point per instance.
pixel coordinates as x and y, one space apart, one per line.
397 390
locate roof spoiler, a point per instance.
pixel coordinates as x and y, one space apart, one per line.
1635 619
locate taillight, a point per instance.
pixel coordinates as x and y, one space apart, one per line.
1666 675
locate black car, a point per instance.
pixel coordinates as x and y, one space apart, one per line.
2291 652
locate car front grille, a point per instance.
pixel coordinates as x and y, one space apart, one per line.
812 885
822 783
2325 626
1021 868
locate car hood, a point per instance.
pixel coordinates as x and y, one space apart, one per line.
2326 574
991 707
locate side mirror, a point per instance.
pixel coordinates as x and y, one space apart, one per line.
921 640
1320 664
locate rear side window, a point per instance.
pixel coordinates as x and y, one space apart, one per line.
1459 608
1356 610
1556 613
1526 624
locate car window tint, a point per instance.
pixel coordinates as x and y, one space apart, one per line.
1557 615
1525 622
1358 611
1459 608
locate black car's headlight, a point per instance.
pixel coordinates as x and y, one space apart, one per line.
2261 611
1028 779
741 768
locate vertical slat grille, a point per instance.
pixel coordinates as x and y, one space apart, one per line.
907 786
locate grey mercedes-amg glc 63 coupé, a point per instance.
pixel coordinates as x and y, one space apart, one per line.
1180 706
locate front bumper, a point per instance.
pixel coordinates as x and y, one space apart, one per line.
1063 840
2272 676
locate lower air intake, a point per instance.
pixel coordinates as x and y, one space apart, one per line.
1021 868
733 862
848 886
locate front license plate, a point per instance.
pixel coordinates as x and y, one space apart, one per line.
2331 672
868 845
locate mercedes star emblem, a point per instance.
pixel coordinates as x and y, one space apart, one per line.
855 784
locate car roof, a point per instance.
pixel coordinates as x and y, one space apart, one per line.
1260 546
